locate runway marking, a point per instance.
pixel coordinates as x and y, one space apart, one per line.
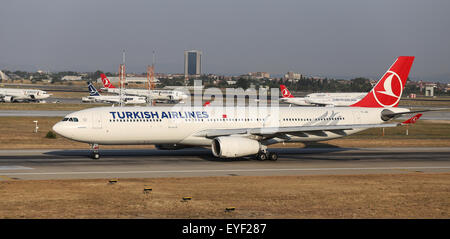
13 167
225 170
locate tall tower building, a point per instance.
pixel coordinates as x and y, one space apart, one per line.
192 63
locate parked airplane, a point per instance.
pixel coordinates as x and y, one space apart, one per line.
321 99
22 95
167 95
94 96
238 131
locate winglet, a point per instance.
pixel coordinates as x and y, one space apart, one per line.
412 120
285 92
106 82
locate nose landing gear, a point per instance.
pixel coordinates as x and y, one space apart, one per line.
94 151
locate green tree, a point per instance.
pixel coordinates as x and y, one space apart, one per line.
242 83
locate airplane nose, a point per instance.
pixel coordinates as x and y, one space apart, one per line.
60 129
57 128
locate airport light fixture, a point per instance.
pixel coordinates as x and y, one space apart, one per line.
36 126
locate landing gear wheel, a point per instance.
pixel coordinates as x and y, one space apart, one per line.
273 156
95 156
261 156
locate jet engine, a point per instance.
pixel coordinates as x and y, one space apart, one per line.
233 146
9 99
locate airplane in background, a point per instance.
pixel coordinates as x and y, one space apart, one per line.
166 95
22 95
321 99
94 96
239 131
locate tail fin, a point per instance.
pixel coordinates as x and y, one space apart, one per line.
106 82
388 91
285 92
92 90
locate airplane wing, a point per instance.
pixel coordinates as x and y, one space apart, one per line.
322 104
269 131
389 113
111 101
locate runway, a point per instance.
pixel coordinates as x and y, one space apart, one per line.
75 164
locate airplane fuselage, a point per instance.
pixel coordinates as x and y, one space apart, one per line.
154 94
115 99
10 94
331 99
181 125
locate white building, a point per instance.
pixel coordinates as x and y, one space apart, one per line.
292 76
256 75
71 78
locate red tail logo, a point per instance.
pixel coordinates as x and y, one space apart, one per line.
413 119
106 82
285 92
388 91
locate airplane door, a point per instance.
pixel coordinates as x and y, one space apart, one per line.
96 121
271 121
172 123
357 117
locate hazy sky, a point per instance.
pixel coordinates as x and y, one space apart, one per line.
337 38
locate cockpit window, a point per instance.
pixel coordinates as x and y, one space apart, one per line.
73 119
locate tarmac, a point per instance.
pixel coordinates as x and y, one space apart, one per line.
199 162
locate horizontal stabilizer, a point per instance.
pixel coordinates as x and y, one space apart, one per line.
412 120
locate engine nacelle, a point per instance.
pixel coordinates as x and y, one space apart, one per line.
233 147
9 99
170 146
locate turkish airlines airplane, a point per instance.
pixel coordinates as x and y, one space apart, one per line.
169 95
94 96
322 99
238 131
22 95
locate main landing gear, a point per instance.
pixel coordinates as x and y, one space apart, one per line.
261 156
94 151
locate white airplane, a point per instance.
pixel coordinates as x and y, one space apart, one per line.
322 99
94 96
238 131
167 95
22 95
